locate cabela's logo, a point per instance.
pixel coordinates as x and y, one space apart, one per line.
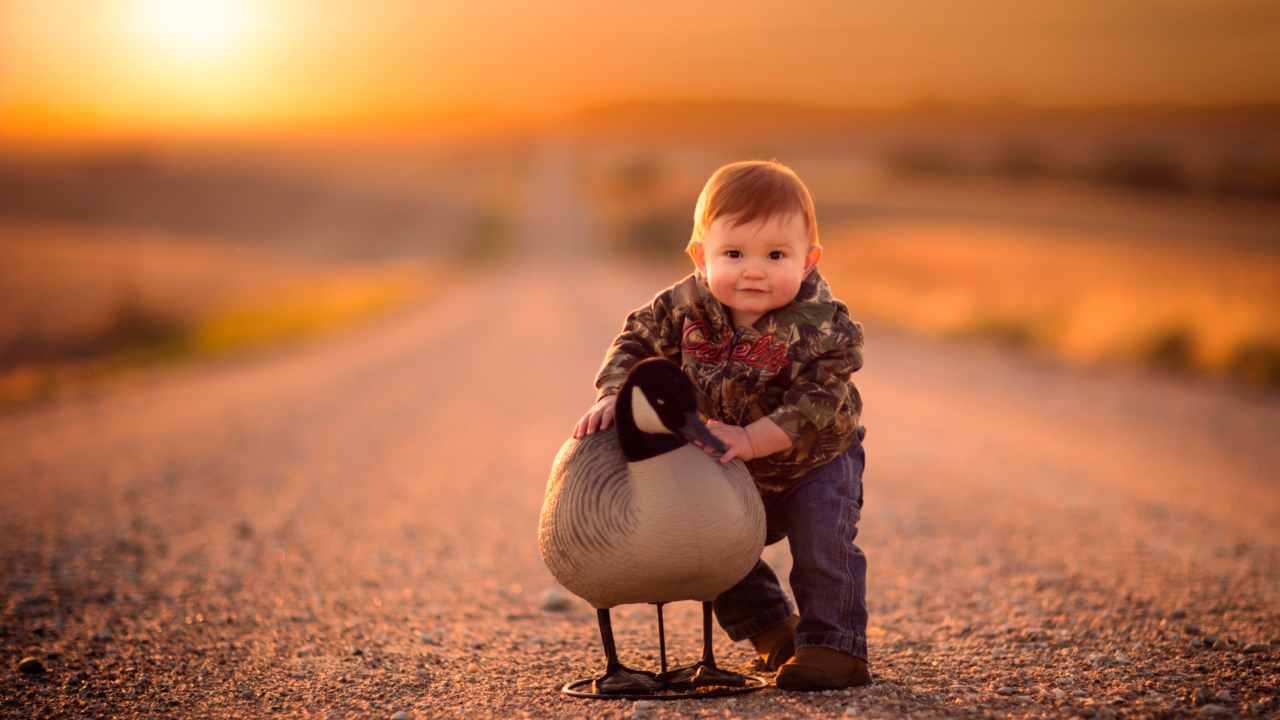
765 352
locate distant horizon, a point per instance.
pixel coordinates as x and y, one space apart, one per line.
473 121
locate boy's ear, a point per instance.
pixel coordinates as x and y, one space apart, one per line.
811 260
699 255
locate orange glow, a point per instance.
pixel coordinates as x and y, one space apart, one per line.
179 65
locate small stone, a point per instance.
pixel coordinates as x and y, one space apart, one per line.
30 666
1210 710
1221 644
1006 691
400 715
1210 640
1088 712
45 692
1022 699
1223 697
1178 613
642 705
1256 648
555 601
851 712
1259 707
1191 629
1079 693
247 694
103 635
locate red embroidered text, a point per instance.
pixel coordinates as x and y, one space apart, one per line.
763 353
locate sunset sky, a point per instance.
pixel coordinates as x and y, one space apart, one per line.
69 66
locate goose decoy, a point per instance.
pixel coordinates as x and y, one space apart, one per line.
638 514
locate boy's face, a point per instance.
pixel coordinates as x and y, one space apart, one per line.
756 267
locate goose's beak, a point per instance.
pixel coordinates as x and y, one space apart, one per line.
696 430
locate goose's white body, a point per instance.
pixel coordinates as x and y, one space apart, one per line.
679 526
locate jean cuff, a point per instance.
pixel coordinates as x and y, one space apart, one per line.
771 617
845 643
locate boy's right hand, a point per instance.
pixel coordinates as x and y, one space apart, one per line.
597 418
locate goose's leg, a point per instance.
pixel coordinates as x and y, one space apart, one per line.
704 673
618 679
662 639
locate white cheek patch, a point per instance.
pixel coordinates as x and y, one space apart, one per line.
646 418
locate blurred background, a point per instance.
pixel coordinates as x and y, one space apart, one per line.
1095 182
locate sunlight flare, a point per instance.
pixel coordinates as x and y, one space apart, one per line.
198 27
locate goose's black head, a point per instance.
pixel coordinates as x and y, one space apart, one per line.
657 411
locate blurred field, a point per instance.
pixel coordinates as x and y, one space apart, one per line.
1087 297
80 304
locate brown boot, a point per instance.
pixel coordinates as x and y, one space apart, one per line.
820 668
777 644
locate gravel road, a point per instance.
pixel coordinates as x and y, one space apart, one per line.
348 528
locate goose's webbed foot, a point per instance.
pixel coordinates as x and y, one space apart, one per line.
625 681
700 675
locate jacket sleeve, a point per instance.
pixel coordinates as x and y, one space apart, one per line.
822 383
650 331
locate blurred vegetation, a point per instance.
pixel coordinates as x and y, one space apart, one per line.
647 213
86 333
1146 167
1213 311
490 235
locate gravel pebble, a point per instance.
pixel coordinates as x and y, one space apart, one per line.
400 715
1256 648
30 666
554 600
1210 710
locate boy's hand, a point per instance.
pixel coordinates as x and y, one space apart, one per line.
597 418
760 438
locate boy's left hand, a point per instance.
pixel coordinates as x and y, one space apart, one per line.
760 438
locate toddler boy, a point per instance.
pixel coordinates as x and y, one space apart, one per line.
771 351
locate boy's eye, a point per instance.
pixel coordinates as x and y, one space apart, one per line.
775 255
733 254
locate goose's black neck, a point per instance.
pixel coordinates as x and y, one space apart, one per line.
637 444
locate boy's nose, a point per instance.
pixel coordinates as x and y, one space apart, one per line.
753 271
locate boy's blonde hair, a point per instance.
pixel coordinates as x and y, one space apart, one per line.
751 190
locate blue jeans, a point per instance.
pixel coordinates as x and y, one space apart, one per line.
819 515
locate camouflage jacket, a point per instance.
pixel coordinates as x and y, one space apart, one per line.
792 366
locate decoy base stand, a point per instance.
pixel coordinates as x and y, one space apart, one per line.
701 680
